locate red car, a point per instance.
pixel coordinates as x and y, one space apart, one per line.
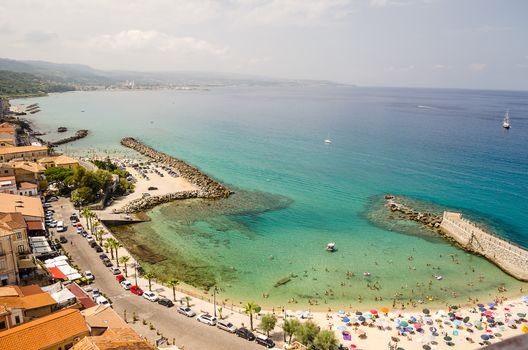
136 290
120 278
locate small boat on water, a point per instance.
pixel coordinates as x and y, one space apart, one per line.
439 277
330 247
506 120
328 141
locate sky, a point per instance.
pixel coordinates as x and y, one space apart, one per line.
423 43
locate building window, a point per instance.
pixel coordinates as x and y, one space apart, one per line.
2 325
2 262
17 319
21 249
19 235
68 346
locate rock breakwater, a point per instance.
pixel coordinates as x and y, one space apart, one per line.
145 203
78 135
428 219
207 187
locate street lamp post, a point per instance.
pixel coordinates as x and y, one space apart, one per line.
214 299
135 272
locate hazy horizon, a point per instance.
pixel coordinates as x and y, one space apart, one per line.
475 44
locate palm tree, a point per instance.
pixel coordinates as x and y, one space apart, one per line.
326 340
99 235
124 259
290 327
173 282
249 309
149 276
110 242
87 213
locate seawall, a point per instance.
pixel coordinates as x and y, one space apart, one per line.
510 258
207 187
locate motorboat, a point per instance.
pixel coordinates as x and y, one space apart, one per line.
331 247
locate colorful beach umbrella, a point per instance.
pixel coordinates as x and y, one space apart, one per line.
374 312
384 309
346 319
341 328
427 312
404 324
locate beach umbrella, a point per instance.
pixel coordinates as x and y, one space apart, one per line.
427 312
359 313
455 333
482 309
346 319
480 305
384 309
341 314
400 348
367 315
492 304
466 319
353 346
457 323
417 325
488 312
521 314
454 307
426 347
374 312
361 318
341 328
404 324
524 329
448 338
485 336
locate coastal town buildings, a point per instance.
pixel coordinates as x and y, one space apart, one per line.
24 303
28 153
117 338
15 255
57 331
62 161
24 171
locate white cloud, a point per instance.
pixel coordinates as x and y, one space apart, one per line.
153 41
477 67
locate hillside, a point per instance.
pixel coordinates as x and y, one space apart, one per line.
15 84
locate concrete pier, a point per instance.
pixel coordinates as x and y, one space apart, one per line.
511 258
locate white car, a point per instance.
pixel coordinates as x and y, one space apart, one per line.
126 284
150 296
187 311
89 275
207 319
89 237
226 326
115 270
101 300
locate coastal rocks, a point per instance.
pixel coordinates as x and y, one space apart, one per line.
282 281
145 203
426 219
62 129
78 135
208 188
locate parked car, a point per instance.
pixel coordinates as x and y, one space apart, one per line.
84 233
79 230
88 237
52 199
92 243
103 256
107 262
187 311
166 302
264 340
151 296
89 275
226 326
245 334
120 278
136 290
63 239
101 300
98 248
52 223
126 284
95 293
207 319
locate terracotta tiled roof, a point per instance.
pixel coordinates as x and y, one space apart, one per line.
11 150
12 220
26 186
30 290
101 316
45 331
35 225
115 339
14 297
81 295
12 203
58 160
29 166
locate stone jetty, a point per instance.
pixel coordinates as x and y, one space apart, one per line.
511 258
145 203
207 187
78 135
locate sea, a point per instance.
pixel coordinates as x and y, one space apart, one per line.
442 148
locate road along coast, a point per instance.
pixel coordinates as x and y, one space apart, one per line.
207 187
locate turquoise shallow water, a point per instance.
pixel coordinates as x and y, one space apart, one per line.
454 153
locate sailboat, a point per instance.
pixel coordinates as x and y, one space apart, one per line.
327 140
506 121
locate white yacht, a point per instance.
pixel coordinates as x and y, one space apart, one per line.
331 247
506 120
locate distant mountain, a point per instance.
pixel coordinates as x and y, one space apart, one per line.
85 75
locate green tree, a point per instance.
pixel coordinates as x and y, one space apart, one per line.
124 259
111 244
290 327
87 213
307 333
57 174
99 235
268 322
80 196
249 309
149 276
114 245
326 340
173 282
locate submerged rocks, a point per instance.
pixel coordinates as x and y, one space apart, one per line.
208 188
427 219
